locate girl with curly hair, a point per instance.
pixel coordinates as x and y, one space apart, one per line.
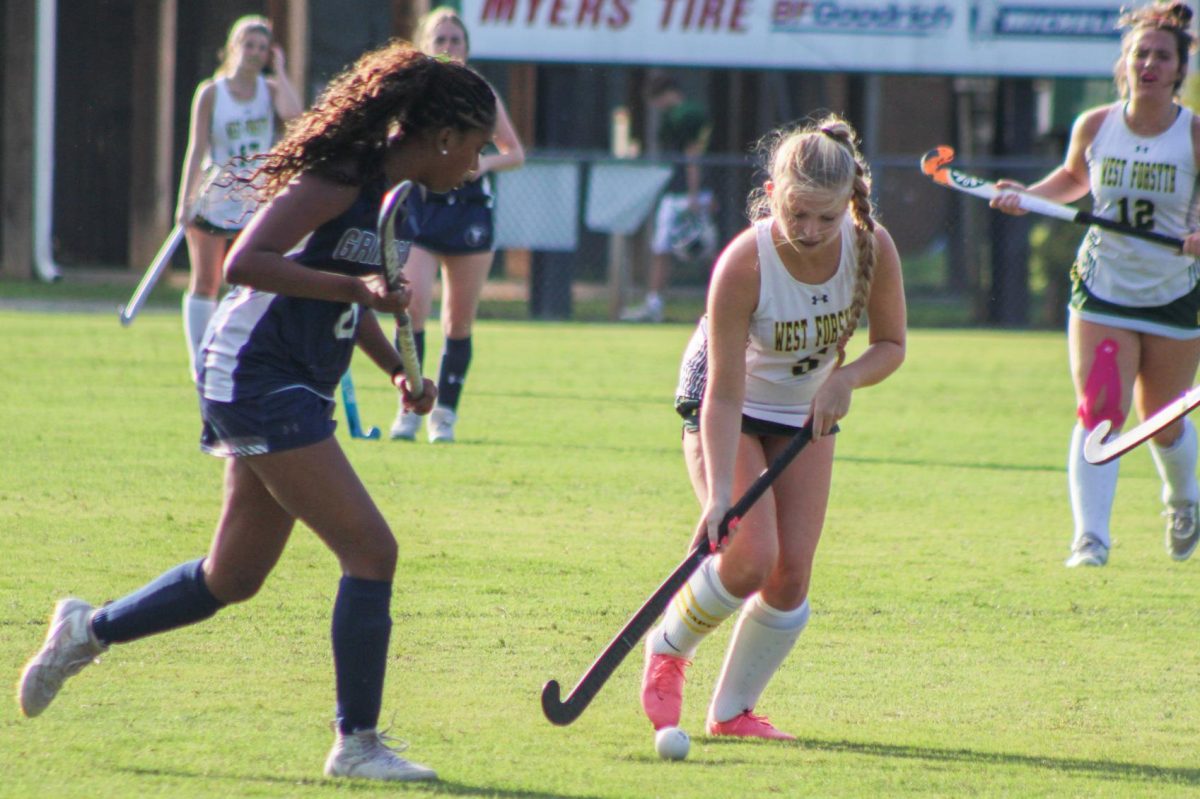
307 278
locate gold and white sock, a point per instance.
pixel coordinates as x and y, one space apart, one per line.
696 610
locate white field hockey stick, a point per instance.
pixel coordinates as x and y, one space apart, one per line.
935 164
393 265
162 259
1096 450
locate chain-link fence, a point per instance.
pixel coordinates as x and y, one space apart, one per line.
585 219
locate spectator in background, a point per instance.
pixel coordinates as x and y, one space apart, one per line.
682 223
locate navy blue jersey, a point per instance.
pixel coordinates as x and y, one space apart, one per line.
258 342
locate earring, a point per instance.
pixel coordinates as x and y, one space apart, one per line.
445 151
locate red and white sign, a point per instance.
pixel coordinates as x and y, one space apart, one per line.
1053 38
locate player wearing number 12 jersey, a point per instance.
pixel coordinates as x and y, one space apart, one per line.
1135 305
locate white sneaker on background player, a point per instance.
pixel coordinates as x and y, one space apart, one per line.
441 425
1182 530
1088 551
406 426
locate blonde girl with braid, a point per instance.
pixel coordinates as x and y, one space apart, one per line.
770 357
308 282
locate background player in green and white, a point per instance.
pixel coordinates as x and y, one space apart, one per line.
233 118
1134 329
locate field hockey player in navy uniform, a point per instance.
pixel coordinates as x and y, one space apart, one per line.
456 230
233 119
769 358
276 349
1134 328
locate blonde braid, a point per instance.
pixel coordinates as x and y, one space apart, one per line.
863 214
864 229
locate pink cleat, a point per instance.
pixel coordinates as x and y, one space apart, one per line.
748 725
662 688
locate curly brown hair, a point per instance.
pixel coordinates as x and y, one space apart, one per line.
1171 17
393 92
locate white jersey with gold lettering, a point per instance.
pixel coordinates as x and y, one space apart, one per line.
1148 183
794 331
239 130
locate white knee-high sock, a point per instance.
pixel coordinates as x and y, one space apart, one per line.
697 609
197 311
761 640
1092 490
1177 467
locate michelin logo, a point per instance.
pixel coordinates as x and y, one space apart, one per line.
871 18
1025 20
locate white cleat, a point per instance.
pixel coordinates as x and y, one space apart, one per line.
406 426
441 425
1088 551
1182 530
70 645
367 755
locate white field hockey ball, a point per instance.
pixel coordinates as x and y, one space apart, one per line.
672 743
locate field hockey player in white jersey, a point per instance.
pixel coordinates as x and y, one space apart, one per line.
307 278
1134 327
769 357
232 120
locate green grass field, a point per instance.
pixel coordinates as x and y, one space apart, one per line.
950 653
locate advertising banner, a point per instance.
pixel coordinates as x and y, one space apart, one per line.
1054 38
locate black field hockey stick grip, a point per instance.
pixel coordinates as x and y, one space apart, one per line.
1085 218
563 712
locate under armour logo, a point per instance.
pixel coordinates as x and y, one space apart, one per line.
820 298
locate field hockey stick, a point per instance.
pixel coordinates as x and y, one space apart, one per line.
562 712
935 164
1096 450
393 265
161 260
350 403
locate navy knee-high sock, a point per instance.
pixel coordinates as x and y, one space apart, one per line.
361 628
456 357
177 598
418 339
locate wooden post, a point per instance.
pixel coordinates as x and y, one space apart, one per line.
522 110
152 193
618 244
405 14
289 23
16 183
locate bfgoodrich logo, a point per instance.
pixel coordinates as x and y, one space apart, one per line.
869 18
